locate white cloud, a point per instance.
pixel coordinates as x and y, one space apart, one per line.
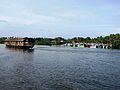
3 21
104 25
30 18
83 15
16 20
117 30
114 10
41 18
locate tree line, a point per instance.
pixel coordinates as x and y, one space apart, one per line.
112 39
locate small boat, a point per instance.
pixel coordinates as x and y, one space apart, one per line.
93 46
82 45
24 43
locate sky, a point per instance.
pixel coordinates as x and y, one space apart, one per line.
59 18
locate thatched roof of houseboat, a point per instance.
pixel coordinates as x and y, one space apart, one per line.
14 39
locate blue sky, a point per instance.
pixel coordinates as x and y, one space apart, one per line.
53 18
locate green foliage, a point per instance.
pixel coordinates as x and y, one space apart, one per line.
42 41
116 45
2 39
49 41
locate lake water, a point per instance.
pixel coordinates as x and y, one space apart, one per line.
59 68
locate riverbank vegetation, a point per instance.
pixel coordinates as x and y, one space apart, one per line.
112 39
2 39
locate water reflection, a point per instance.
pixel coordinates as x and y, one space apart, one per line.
16 67
20 50
22 54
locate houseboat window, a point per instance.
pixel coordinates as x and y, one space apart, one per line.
26 41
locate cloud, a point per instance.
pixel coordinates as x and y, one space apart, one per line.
15 20
83 15
29 19
117 30
41 18
56 18
3 21
104 25
114 10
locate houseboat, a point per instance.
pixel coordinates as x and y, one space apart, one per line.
24 43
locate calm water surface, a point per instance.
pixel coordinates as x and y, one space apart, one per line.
59 68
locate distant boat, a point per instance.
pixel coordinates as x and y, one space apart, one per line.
82 45
24 43
93 46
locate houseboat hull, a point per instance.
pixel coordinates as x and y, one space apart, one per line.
21 47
